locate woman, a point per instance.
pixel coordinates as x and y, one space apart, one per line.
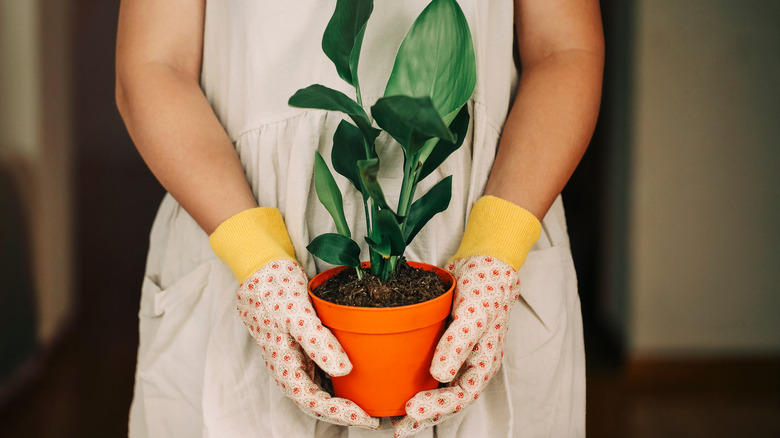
203 89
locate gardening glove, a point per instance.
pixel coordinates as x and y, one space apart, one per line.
274 305
497 239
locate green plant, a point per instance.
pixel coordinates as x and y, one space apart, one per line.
423 109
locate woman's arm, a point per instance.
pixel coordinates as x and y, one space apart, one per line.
159 46
551 122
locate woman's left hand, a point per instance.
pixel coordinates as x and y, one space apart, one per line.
470 351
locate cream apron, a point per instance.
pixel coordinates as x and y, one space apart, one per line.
200 374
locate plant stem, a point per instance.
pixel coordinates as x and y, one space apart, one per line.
403 197
391 264
366 200
387 267
369 207
408 188
377 260
358 95
408 185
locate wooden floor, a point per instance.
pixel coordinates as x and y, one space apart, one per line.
729 397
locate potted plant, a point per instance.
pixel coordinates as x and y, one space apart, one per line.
424 110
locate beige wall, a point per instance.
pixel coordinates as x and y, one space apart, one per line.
35 144
19 72
704 212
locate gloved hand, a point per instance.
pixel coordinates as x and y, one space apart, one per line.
274 305
497 239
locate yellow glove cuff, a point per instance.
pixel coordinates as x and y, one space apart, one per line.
250 240
500 229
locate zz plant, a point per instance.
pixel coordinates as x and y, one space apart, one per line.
423 109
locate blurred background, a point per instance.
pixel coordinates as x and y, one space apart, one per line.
674 218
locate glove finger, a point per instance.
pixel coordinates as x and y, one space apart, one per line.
319 344
339 411
406 427
457 342
437 405
303 324
483 363
289 305
487 352
287 365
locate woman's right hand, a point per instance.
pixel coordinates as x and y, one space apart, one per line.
274 305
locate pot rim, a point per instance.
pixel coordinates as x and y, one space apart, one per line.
383 320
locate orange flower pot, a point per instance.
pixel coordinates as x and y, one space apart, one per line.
390 348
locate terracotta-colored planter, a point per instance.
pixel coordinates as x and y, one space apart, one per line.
390 348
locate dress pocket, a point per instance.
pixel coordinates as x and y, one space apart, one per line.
543 356
174 332
184 292
545 280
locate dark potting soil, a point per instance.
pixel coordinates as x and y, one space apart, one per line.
408 285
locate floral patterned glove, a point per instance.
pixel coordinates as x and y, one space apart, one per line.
274 305
498 236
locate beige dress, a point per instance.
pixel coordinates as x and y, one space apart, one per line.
200 374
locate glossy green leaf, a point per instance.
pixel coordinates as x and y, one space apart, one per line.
347 150
436 200
389 227
335 249
321 97
442 149
329 194
410 120
343 36
436 59
382 247
368 176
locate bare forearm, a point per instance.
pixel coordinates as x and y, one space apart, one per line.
561 46
182 142
548 129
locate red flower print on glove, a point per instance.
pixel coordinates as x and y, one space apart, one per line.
274 305
470 351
